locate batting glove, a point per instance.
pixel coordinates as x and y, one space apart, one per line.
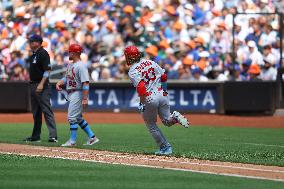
165 93
141 107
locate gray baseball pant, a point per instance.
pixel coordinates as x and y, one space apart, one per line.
157 104
75 107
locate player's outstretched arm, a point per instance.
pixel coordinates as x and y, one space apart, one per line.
85 89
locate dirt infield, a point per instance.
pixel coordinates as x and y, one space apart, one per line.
134 118
182 164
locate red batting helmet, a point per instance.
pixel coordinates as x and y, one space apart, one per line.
131 54
75 48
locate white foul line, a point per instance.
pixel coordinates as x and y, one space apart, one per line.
269 145
148 166
170 161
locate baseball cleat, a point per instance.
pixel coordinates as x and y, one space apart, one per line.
31 139
69 143
168 150
180 119
92 141
53 140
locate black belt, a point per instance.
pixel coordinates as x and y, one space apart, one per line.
73 90
34 82
37 82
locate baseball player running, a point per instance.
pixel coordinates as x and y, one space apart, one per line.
150 81
77 86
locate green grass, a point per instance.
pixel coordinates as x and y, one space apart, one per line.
212 143
33 172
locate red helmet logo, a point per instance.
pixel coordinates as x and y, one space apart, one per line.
131 54
75 48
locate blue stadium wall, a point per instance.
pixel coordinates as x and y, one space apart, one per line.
123 97
212 97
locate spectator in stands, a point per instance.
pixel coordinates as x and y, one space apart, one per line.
268 37
246 65
152 53
236 73
3 72
264 6
19 73
121 74
203 61
103 27
218 43
18 41
255 35
105 75
269 72
225 35
240 32
197 75
168 64
254 72
109 38
254 54
16 58
216 74
186 72
267 50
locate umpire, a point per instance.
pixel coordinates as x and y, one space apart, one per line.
39 64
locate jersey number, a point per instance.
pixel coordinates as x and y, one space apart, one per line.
149 75
72 84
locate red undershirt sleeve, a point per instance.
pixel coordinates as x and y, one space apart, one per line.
141 89
164 78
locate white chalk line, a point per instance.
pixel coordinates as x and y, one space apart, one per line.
147 166
169 161
258 144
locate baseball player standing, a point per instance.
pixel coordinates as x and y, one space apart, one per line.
150 81
77 86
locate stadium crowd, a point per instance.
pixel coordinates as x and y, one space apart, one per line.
191 39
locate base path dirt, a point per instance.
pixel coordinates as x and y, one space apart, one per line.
184 164
134 118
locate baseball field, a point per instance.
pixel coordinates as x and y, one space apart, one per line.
215 152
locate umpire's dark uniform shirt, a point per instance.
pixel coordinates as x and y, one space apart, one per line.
39 63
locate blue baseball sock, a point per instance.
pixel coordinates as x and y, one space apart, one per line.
73 129
86 127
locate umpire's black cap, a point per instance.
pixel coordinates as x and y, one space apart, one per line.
35 38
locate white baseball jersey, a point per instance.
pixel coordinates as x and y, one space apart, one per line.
156 103
148 71
76 74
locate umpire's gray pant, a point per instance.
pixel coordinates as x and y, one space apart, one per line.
41 104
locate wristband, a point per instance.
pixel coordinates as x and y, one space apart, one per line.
46 74
64 80
85 87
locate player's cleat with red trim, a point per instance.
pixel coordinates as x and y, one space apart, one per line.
180 119
69 143
168 150
92 141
